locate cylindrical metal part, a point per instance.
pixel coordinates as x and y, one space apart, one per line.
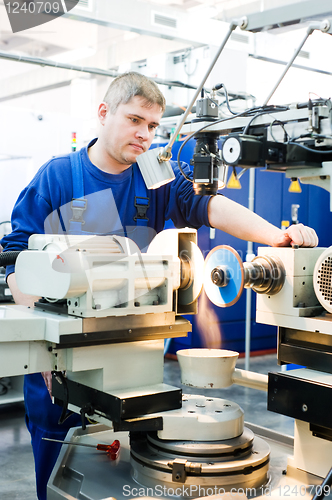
220 276
187 273
250 379
264 274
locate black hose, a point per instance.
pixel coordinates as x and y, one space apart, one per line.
9 258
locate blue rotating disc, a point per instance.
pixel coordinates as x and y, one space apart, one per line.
225 258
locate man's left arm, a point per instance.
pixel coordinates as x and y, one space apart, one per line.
240 222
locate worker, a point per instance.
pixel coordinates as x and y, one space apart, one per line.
100 190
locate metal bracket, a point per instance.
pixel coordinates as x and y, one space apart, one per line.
180 467
178 470
78 206
142 204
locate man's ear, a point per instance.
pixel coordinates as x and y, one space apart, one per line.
103 111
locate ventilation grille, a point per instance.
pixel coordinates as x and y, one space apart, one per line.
237 37
304 54
165 21
179 59
85 4
324 280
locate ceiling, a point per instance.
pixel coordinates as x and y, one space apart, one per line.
106 34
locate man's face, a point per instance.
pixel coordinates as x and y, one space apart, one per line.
130 131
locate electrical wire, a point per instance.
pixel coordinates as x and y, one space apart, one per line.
259 111
264 112
243 171
197 132
218 87
286 136
316 151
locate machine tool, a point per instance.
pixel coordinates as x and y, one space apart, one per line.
294 292
100 327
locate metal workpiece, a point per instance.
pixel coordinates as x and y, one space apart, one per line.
220 275
226 275
264 274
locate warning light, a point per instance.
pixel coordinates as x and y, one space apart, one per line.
233 182
294 186
73 141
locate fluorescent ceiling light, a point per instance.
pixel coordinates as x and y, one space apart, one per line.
74 55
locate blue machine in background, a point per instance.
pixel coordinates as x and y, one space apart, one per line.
274 203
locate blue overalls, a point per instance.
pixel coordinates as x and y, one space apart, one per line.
79 203
37 399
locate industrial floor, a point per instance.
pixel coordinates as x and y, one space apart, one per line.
16 460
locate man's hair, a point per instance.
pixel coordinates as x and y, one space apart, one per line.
131 84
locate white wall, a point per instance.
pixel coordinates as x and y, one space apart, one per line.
28 139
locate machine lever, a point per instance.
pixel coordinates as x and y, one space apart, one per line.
112 450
